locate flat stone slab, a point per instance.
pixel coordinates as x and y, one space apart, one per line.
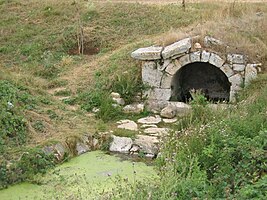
148 53
177 48
150 120
128 125
157 131
121 144
149 126
170 121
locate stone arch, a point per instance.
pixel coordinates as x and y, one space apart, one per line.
212 82
161 64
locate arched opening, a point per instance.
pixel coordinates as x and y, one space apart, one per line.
206 77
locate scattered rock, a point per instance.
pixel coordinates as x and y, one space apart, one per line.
115 95
157 131
147 144
148 53
150 120
121 144
119 101
197 46
128 125
135 148
156 106
170 121
81 148
95 110
60 151
182 109
134 108
210 41
168 112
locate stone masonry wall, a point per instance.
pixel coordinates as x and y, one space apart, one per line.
160 64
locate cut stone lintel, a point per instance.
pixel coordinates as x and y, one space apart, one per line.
148 53
177 48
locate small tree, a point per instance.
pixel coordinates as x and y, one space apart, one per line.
183 4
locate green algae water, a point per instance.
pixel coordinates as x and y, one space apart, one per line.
89 176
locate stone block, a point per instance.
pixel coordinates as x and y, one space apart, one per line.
148 53
177 48
216 60
205 56
227 70
238 67
173 67
195 56
147 144
166 81
236 58
184 60
165 64
159 94
250 73
236 81
150 74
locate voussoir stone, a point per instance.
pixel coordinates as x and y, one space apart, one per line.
236 81
216 60
227 70
177 48
121 144
127 124
205 56
150 120
148 53
195 56
173 67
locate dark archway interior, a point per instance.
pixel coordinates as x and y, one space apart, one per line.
212 82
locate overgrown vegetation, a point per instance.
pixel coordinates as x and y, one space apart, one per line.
220 158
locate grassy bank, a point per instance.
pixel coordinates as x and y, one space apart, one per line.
39 55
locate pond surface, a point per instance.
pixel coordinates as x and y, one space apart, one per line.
88 176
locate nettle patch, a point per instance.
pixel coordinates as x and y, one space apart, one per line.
175 71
